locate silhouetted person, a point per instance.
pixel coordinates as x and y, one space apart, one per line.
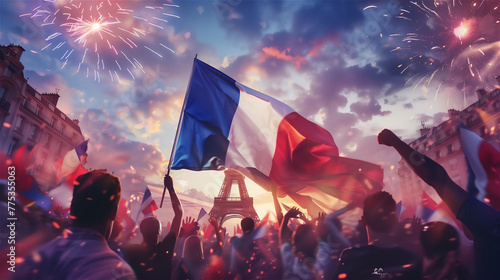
441 243
152 259
382 257
82 252
482 220
244 249
192 264
303 254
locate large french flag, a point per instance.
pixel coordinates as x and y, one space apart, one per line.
484 167
226 124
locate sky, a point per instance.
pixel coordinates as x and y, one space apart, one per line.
354 67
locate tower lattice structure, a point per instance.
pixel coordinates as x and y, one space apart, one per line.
227 207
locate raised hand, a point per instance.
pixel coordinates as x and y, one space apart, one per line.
387 137
168 183
213 222
321 227
189 226
294 212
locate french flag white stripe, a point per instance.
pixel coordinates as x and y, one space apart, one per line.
254 129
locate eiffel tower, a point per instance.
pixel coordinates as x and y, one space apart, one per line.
226 207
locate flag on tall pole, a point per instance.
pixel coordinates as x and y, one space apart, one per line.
483 161
226 124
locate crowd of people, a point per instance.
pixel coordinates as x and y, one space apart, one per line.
89 245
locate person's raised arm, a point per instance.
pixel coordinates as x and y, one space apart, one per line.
176 205
218 233
277 207
285 234
341 211
428 170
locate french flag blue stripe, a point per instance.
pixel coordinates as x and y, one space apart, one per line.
212 100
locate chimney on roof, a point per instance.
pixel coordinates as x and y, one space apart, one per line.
453 114
498 79
51 97
481 93
16 51
424 130
76 121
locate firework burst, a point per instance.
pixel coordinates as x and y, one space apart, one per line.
457 40
104 37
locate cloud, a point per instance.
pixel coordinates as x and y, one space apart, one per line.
52 83
246 19
320 18
366 110
282 55
111 148
433 120
408 106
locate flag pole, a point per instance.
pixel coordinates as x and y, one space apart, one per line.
139 210
172 152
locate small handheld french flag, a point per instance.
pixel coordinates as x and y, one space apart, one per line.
70 162
148 205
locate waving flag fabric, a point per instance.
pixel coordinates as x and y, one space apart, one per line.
148 205
70 162
226 124
484 167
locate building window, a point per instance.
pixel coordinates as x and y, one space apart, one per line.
440 138
12 146
470 120
450 149
496 105
19 124
53 122
63 128
33 132
438 154
8 72
453 164
38 96
3 90
38 110
63 116
47 141
51 107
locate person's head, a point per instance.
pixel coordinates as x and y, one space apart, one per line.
379 212
95 201
193 249
304 240
247 225
150 228
438 238
338 223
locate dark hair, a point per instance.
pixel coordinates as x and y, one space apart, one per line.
247 224
150 225
95 198
304 239
379 211
438 238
